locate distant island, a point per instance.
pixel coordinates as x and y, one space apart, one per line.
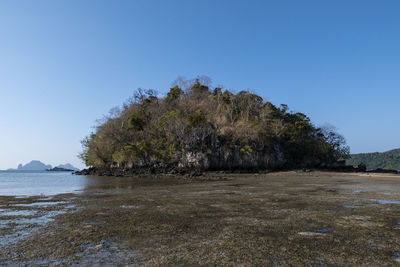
36 165
389 160
196 127
67 166
57 169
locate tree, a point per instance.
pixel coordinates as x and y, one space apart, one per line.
220 125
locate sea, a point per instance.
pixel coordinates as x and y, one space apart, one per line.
35 202
46 183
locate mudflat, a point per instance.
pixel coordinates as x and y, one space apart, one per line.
281 218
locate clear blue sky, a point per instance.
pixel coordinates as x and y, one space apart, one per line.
63 64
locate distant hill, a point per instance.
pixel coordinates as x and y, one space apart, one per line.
36 165
385 160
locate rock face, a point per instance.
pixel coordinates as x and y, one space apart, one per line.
233 160
208 152
195 162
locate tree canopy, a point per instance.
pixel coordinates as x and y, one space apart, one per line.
210 128
385 160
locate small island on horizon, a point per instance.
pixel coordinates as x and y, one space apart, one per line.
37 165
58 169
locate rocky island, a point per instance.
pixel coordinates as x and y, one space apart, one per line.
36 165
195 127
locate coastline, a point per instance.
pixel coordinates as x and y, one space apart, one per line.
130 172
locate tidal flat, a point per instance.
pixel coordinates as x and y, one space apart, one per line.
268 219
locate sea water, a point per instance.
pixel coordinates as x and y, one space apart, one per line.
32 183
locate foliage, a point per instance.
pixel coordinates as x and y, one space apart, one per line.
386 160
152 131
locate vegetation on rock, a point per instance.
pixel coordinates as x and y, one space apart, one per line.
194 126
389 160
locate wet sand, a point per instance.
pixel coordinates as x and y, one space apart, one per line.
275 219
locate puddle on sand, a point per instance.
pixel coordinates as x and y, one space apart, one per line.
378 188
24 227
40 204
13 238
45 198
316 232
323 231
129 207
381 201
348 205
24 222
389 187
8 212
396 256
